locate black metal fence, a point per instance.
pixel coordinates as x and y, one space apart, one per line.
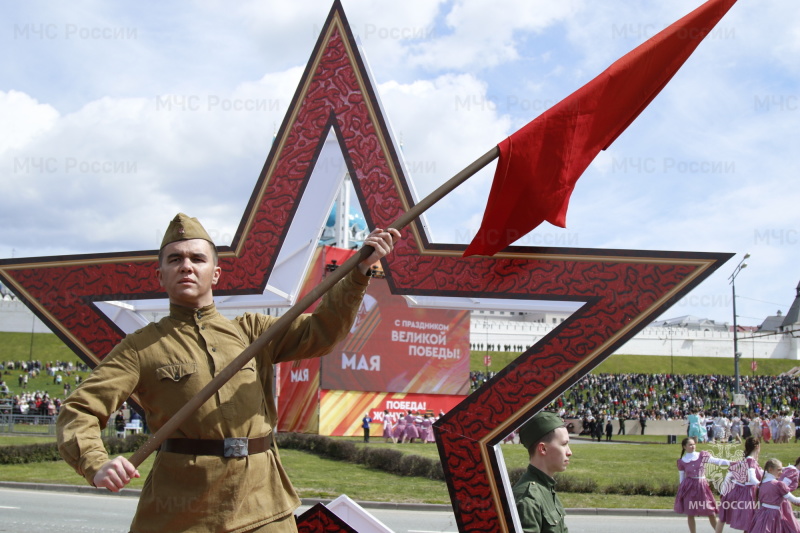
28 424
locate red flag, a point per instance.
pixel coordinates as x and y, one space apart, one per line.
540 164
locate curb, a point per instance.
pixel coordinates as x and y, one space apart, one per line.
621 512
80 489
134 493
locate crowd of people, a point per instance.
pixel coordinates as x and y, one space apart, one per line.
35 367
671 396
478 378
36 403
23 401
714 428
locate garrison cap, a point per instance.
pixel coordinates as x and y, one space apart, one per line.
537 427
183 228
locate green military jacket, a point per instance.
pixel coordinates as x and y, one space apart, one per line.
538 506
166 364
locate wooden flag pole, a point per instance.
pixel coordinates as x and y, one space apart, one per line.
297 309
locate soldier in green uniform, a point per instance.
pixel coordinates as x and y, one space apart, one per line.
538 506
220 470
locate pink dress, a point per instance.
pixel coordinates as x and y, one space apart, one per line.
387 427
738 506
431 434
427 428
411 428
422 428
768 517
789 476
400 428
694 496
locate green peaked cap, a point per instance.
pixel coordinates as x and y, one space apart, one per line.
537 427
183 228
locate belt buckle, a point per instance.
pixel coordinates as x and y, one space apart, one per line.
235 447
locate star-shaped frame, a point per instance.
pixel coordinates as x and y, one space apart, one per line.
621 290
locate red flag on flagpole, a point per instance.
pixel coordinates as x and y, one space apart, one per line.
540 164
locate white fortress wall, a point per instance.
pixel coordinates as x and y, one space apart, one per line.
650 341
15 317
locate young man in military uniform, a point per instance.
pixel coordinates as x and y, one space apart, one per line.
538 506
200 482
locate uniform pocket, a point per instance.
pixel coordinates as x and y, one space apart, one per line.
242 393
551 516
176 372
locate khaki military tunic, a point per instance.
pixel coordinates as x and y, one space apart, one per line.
538 506
166 364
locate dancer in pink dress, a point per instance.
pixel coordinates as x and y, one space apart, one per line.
422 428
411 431
768 518
399 429
426 429
388 427
738 505
694 496
789 476
431 437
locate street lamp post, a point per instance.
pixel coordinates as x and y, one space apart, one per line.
736 353
671 351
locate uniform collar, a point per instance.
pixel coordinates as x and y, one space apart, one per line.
541 477
185 314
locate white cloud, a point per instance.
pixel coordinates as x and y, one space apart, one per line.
483 33
466 126
23 118
116 160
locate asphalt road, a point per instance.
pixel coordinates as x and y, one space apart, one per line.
37 511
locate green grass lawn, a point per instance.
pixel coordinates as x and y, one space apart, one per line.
43 346
58 472
314 477
19 440
610 464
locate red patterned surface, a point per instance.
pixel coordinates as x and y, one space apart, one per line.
319 519
623 289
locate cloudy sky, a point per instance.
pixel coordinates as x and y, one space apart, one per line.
116 115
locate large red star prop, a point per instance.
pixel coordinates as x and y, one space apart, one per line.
622 290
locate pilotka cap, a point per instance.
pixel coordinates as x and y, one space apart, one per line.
537 427
183 228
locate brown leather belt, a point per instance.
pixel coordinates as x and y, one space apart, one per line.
230 447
